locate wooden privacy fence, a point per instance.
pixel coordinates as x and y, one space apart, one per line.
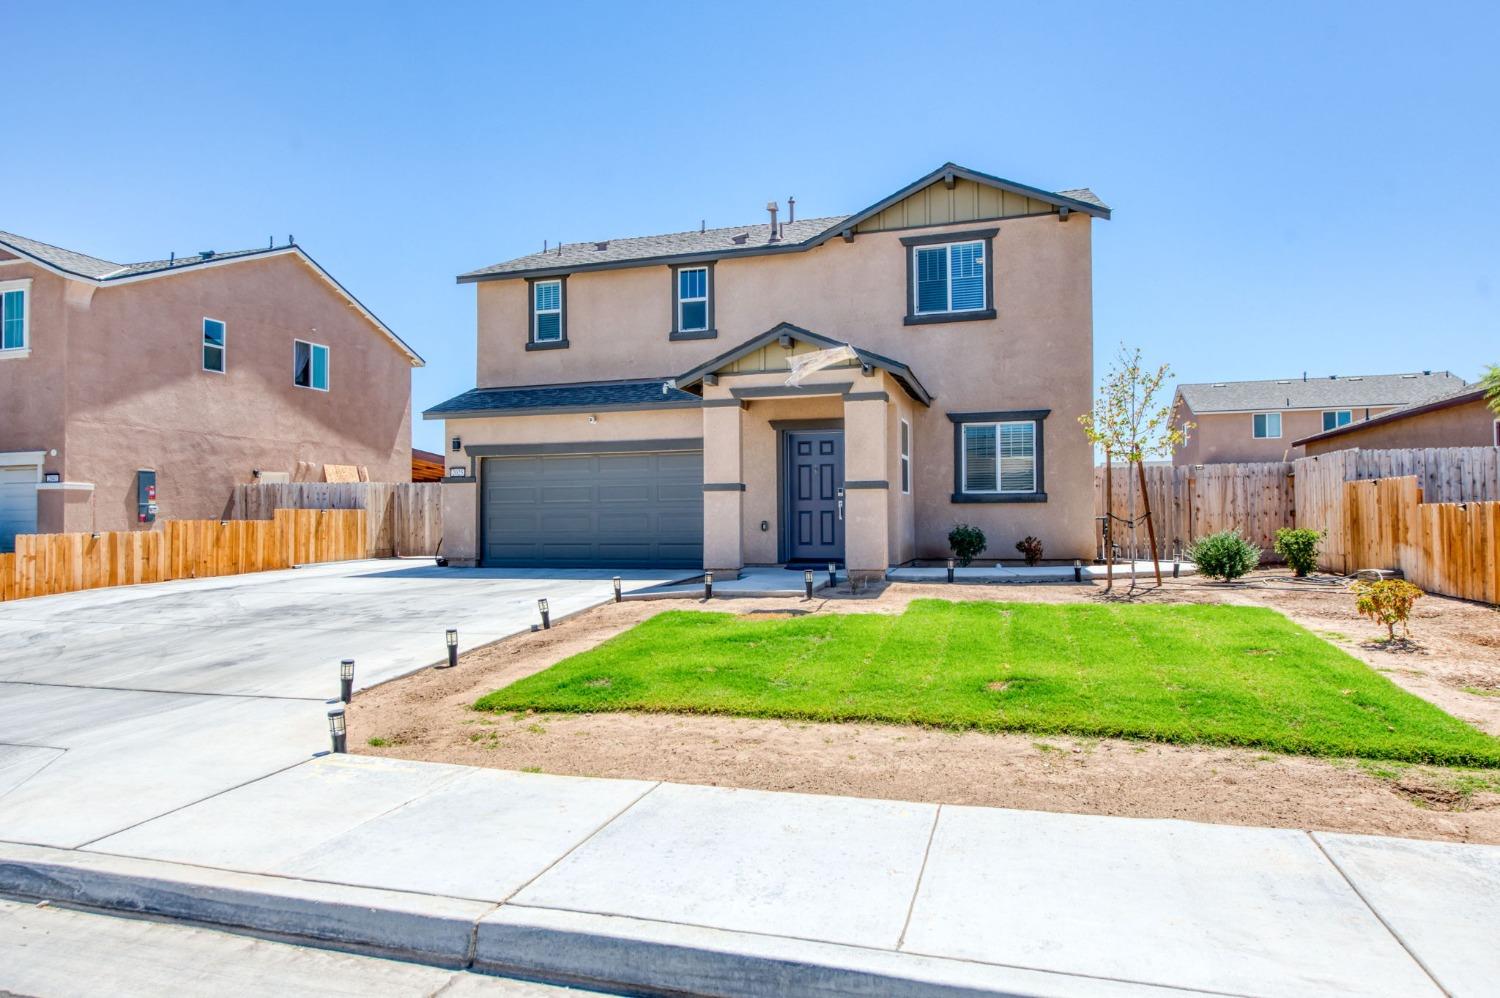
1189 502
404 518
1451 548
47 564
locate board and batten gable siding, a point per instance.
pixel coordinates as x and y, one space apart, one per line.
966 201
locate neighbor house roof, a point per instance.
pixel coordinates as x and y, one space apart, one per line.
91 269
752 240
1459 396
1317 393
583 396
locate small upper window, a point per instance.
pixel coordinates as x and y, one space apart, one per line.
310 365
999 457
1267 425
1335 418
13 318
949 278
905 457
547 308
213 345
692 299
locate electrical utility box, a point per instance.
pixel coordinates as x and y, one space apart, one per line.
145 495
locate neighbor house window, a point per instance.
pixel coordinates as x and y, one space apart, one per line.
213 345
13 331
948 277
310 365
546 310
905 457
1267 425
997 456
1334 418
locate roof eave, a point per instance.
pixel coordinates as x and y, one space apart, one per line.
544 410
1396 415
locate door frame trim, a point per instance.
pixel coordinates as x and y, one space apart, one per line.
784 428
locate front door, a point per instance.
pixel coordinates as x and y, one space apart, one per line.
815 495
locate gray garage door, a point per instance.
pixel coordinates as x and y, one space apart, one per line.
626 510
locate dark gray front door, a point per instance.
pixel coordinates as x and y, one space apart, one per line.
815 495
618 510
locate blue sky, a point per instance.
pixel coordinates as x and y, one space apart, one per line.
1297 186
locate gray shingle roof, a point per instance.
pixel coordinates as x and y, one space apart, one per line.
1458 396
84 265
1085 195
580 396
1318 393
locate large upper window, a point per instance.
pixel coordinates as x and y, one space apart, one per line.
999 457
310 365
950 278
1335 418
547 308
213 345
1267 425
13 331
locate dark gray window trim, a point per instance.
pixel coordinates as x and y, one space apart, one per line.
806 424
723 486
463 480
1036 416
712 332
585 447
722 403
873 484
937 239
562 295
792 391
867 397
562 410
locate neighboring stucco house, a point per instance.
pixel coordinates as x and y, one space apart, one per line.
636 404
204 370
1461 418
1249 421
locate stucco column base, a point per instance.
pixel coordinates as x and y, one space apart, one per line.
461 522
862 578
723 548
866 532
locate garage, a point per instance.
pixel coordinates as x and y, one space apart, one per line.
621 509
17 503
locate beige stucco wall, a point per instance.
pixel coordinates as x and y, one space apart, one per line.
1036 354
115 383
1227 438
1469 425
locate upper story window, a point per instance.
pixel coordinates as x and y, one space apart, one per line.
997 456
693 302
905 457
948 277
310 365
1335 418
1267 425
546 314
14 331
213 345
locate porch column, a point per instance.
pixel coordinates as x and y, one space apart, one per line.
723 488
866 489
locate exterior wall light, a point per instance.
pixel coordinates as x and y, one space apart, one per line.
950 569
452 638
346 680
336 730
807 580
546 613
708 585
616 581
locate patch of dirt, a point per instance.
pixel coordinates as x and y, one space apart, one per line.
428 716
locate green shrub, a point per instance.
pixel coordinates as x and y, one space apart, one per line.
1299 547
1225 555
1387 602
966 542
1031 549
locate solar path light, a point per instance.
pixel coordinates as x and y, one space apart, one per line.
452 638
950 569
833 574
616 581
346 680
542 608
336 730
807 580
708 585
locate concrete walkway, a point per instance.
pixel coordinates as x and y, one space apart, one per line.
1144 570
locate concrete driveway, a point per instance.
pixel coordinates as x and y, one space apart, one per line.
119 705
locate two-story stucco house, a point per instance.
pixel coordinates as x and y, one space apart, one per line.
1251 421
178 378
640 401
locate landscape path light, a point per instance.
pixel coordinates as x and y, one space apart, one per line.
950 569
807 581
452 639
346 680
336 730
544 609
1077 570
616 581
708 585
833 574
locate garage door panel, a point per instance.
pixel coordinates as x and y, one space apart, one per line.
594 510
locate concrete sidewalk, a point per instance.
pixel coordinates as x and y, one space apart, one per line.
722 891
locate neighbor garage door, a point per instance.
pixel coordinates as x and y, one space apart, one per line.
17 504
617 510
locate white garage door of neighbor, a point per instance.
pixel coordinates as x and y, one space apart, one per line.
17 504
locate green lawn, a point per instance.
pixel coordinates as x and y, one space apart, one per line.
1218 675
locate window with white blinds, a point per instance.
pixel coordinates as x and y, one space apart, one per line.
999 457
949 278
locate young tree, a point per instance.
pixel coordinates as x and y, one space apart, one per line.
1491 383
1129 420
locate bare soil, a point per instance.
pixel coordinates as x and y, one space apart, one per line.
1452 660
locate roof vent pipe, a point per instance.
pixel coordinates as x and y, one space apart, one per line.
772 207
791 209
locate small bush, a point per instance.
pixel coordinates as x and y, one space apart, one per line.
1299 547
966 542
1031 549
1387 602
1225 555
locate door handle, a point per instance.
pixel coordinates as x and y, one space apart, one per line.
841 509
